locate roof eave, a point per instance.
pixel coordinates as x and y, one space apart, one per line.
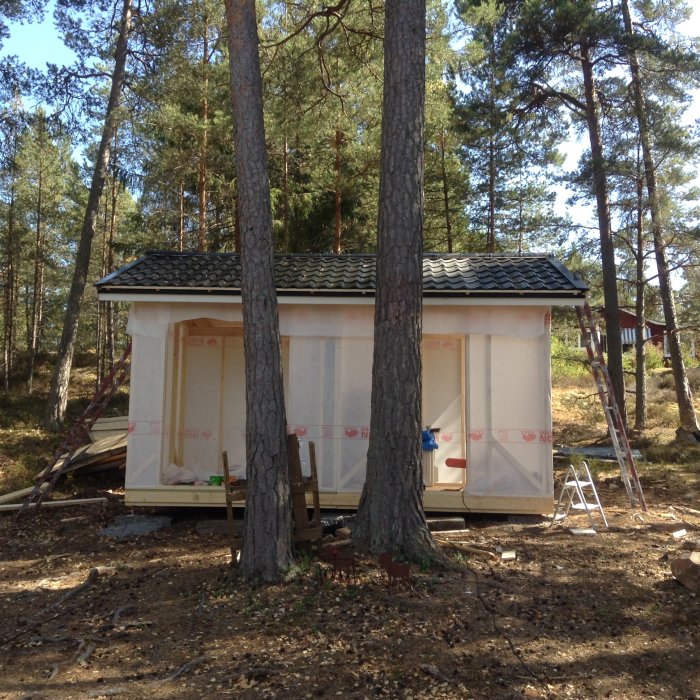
140 293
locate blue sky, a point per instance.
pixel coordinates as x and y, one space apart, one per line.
37 44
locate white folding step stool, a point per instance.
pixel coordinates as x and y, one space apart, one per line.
578 494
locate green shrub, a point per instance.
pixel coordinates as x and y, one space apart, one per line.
654 358
567 362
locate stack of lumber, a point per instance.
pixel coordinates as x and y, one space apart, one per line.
107 451
109 427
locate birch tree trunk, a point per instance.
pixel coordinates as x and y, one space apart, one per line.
267 536
686 410
390 516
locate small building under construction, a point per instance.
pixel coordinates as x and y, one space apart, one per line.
486 374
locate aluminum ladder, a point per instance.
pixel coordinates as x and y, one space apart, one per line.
578 494
616 426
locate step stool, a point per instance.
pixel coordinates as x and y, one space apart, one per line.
578 494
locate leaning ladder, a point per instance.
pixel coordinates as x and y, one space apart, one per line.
616 425
578 494
79 434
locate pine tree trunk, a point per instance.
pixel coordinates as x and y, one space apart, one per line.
686 410
640 408
607 247
267 537
38 290
445 192
110 341
390 517
202 183
491 231
285 193
491 235
9 289
181 217
338 219
58 396
102 305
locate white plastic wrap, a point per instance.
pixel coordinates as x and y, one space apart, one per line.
486 385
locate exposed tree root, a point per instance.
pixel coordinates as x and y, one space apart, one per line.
185 668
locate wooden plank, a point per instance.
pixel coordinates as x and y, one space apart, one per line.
314 484
434 500
54 504
235 542
296 478
16 495
110 423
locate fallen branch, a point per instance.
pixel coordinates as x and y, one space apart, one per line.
54 504
685 509
468 548
16 495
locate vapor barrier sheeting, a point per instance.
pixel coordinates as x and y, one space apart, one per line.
488 392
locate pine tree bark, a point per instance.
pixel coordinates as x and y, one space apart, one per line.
58 396
390 516
181 216
203 175
688 418
607 246
10 287
445 191
640 372
338 194
285 193
38 282
491 231
267 537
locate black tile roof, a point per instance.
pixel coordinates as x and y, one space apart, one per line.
443 274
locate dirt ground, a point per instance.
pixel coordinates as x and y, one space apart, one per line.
83 615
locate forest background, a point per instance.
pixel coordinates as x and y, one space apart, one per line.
505 110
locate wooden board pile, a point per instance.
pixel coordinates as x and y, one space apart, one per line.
107 451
